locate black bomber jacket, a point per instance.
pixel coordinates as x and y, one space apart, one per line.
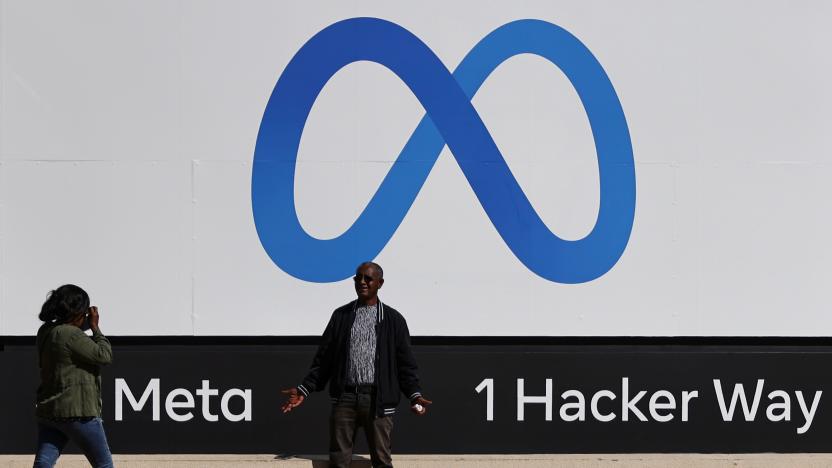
395 369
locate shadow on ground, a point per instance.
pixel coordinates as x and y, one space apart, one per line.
322 461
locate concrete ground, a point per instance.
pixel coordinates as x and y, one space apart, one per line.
445 461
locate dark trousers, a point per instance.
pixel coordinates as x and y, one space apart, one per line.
351 411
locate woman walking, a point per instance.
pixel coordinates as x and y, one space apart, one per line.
69 395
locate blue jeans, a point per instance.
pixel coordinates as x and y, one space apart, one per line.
87 434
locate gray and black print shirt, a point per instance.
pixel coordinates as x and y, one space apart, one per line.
363 346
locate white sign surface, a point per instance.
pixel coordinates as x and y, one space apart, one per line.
127 134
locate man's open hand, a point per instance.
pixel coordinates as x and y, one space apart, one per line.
294 399
423 404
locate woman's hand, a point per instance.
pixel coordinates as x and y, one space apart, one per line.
93 313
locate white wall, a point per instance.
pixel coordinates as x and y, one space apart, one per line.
127 131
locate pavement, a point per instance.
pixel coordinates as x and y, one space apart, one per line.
765 460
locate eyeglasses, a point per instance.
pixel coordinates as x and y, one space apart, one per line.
366 278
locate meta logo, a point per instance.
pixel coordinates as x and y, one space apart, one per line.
450 120
180 403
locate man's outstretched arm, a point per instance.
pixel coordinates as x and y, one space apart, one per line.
408 372
319 371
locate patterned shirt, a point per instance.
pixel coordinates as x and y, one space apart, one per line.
362 360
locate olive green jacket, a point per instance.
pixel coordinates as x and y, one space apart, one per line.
70 371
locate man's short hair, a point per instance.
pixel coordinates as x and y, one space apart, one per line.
375 265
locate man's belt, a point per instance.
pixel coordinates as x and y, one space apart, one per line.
359 388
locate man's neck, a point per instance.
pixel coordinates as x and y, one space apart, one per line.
369 302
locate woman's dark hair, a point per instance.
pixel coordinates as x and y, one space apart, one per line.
64 303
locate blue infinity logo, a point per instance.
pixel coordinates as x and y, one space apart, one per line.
451 120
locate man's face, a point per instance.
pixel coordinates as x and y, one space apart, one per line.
367 282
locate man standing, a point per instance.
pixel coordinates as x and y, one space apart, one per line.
365 356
